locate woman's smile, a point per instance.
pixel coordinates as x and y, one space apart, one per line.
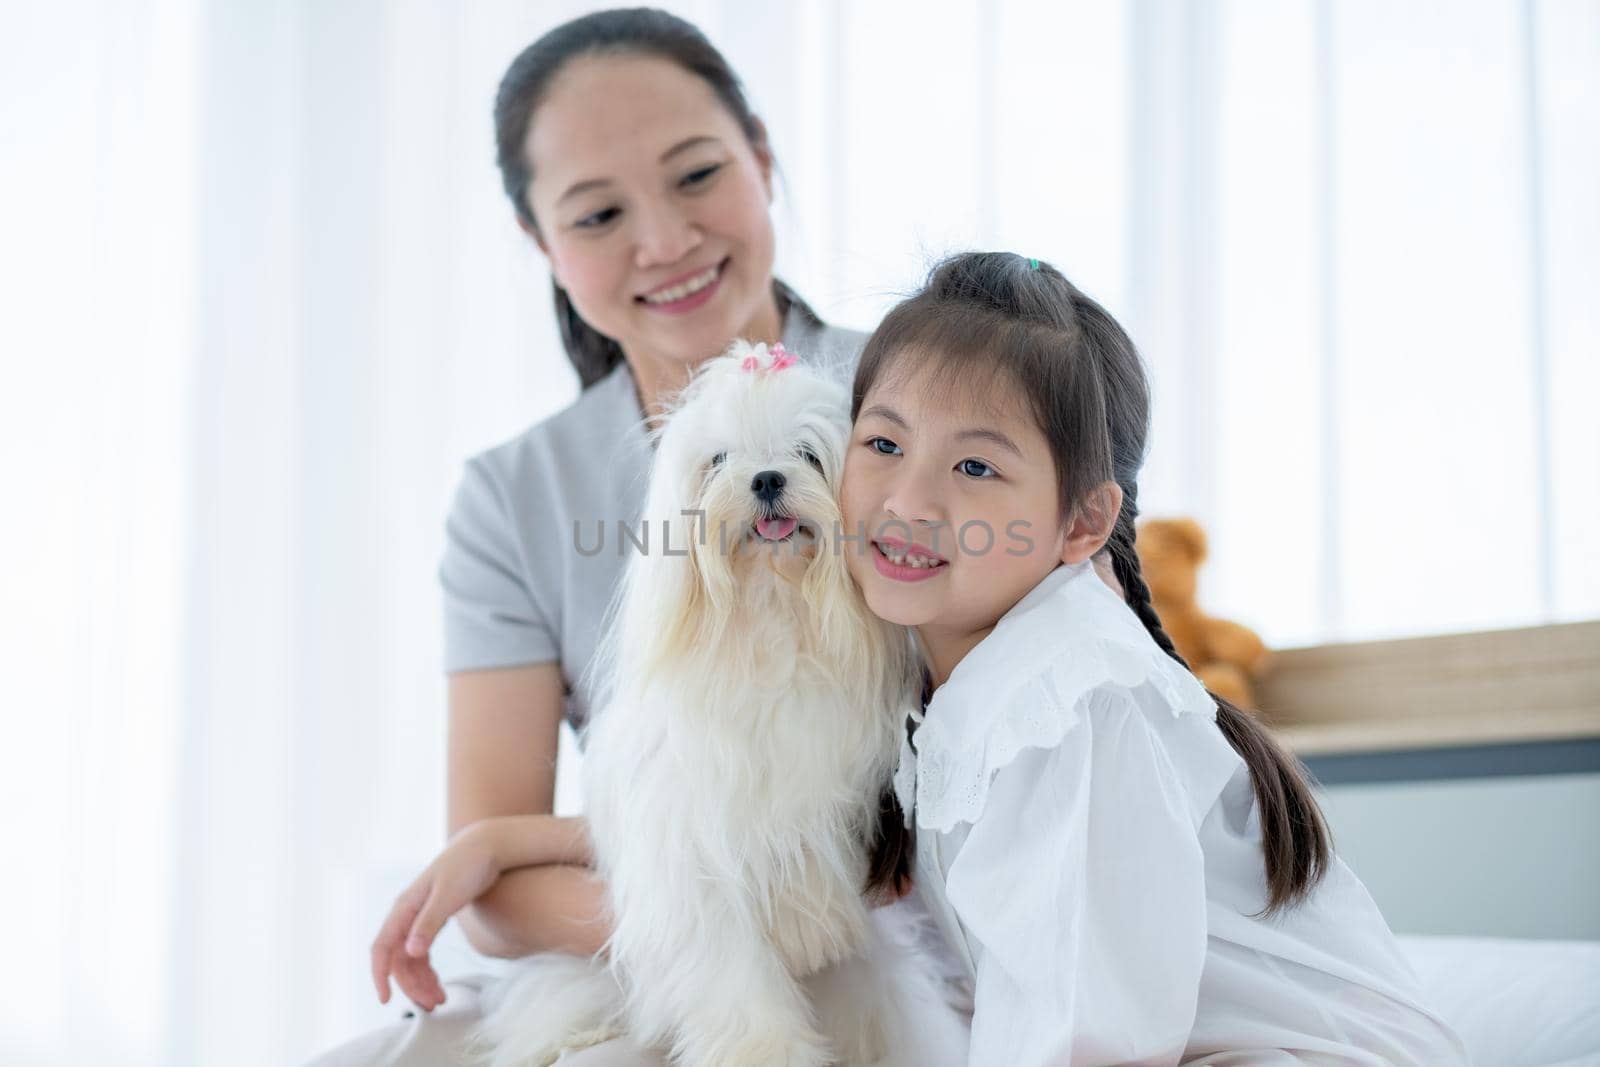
654 209
686 292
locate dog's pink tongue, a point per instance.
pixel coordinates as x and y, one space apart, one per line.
775 529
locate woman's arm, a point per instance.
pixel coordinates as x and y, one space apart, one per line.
504 728
536 840
539 909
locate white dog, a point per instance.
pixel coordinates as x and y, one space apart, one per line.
732 778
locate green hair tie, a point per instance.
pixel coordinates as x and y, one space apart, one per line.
1033 264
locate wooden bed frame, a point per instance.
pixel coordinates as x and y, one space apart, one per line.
1528 699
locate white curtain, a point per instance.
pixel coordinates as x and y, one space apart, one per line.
261 294
97 337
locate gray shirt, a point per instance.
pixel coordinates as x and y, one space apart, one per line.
517 590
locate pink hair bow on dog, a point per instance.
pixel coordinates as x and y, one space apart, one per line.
781 358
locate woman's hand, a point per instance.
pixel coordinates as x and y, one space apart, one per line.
469 865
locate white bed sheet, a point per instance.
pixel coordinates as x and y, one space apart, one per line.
1516 1003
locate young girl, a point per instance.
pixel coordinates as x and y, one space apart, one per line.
1129 870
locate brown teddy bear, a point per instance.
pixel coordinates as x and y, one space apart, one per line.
1225 656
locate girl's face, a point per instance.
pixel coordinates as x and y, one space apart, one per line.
652 206
969 487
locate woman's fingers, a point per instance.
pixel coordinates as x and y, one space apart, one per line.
425 927
386 947
380 975
419 982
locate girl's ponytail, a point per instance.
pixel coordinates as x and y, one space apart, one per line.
1295 841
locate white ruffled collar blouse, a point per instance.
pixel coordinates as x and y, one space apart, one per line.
1020 688
1089 846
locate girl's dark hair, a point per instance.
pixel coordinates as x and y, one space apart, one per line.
638 31
988 316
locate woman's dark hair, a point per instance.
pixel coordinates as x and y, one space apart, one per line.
984 316
637 31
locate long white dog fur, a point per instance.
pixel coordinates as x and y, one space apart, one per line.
732 778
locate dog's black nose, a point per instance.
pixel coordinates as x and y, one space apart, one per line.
767 485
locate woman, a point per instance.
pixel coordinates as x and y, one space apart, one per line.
634 162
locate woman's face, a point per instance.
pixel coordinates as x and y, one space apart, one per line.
969 487
652 206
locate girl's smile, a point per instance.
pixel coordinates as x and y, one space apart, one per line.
906 563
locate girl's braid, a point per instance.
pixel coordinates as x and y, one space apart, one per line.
1296 844
1125 564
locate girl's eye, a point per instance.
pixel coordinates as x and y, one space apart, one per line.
882 446
716 460
697 177
598 219
811 458
975 468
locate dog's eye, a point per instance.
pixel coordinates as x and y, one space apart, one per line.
716 460
811 458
